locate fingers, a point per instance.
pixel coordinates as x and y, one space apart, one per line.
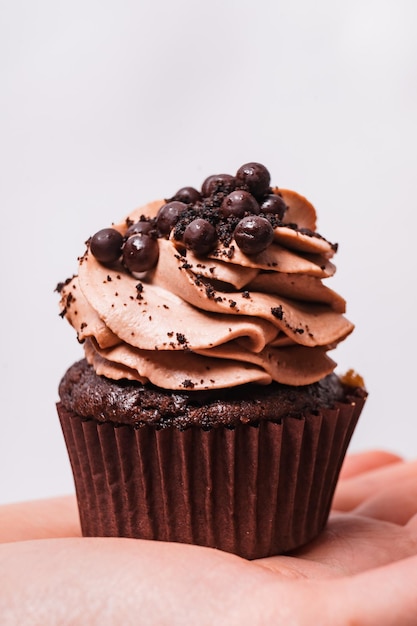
396 503
361 462
39 519
354 491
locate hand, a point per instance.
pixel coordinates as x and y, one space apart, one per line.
362 569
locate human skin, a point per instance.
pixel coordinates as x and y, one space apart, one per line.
362 569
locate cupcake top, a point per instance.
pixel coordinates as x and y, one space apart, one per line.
209 289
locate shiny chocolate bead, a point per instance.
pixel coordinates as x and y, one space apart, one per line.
253 234
140 228
200 236
218 183
188 195
255 177
106 245
273 204
140 253
238 203
168 216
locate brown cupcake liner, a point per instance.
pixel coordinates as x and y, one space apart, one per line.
255 491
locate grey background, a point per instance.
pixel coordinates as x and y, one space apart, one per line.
107 105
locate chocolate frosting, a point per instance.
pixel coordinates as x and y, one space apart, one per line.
221 321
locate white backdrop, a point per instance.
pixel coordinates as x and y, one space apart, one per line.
105 105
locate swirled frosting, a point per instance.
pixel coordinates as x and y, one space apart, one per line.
219 320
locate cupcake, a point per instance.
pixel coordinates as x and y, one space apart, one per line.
206 408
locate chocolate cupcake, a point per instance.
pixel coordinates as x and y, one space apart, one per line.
207 409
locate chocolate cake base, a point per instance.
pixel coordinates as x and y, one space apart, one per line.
250 471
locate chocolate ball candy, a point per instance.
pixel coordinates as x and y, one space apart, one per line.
140 228
255 177
140 253
200 236
253 234
218 182
238 203
273 204
168 216
188 195
106 245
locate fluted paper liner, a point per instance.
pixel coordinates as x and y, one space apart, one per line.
255 491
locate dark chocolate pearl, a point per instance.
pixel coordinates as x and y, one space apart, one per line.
140 253
106 245
274 204
168 216
188 195
238 203
253 234
200 236
255 177
139 228
218 182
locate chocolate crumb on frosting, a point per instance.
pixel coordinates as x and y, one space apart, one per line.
277 312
